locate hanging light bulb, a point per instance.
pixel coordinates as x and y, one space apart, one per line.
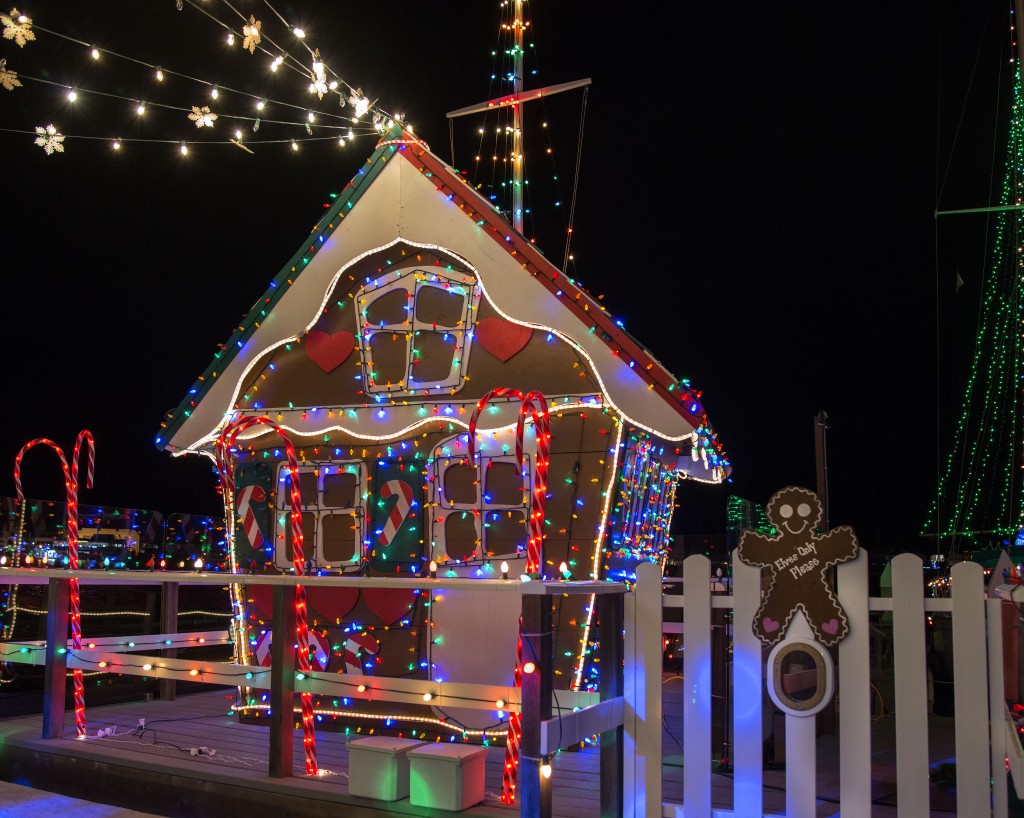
141 109
504 569
298 32
310 116
259 105
427 697
333 85
433 569
95 53
238 135
117 144
184 149
231 38
545 767
159 75
295 145
214 92
341 141
72 95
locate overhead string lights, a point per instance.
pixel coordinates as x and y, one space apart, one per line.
222 101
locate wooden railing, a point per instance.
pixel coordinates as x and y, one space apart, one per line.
551 720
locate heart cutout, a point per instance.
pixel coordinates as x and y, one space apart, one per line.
503 339
390 604
831 627
331 604
769 625
329 351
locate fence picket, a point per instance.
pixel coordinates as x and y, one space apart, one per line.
642 746
747 692
970 690
697 675
855 691
997 707
910 683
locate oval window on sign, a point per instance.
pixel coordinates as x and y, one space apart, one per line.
801 677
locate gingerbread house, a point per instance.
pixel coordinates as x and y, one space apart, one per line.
410 300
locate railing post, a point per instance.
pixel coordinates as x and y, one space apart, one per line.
610 621
169 624
534 791
643 711
56 670
282 682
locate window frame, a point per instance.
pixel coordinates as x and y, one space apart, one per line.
282 504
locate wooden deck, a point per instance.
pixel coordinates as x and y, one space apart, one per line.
153 771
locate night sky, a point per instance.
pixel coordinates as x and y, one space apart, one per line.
756 199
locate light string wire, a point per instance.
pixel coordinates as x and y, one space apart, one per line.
173 73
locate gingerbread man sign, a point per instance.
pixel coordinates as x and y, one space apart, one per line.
795 563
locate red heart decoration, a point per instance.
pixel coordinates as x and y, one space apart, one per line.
502 338
332 604
329 351
390 604
261 598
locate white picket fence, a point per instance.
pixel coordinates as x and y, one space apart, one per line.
981 743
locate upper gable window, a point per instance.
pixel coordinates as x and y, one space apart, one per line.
415 331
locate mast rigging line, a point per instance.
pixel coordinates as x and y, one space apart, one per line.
576 176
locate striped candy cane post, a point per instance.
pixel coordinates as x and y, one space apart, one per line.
532 405
225 442
71 497
84 436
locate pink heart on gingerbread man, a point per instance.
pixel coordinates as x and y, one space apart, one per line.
503 339
329 351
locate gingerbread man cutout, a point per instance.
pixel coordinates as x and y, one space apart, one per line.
795 563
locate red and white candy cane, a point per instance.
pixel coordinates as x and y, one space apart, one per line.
403 491
71 495
535 406
321 649
246 497
225 442
359 642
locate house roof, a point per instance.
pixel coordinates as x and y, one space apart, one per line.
420 200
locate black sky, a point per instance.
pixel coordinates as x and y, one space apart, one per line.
755 203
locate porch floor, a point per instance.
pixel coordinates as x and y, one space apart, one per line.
155 773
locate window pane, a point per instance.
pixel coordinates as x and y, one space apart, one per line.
442 308
307 490
504 532
388 351
503 484
433 355
308 534
340 489
460 538
460 484
389 309
339 538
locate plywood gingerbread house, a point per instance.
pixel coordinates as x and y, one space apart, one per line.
410 300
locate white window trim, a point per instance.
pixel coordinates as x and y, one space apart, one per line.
443 507
282 505
412 282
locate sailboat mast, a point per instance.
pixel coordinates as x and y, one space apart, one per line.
517 120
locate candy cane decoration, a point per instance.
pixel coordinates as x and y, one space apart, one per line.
403 491
321 649
71 495
226 468
535 406
246 497
356 642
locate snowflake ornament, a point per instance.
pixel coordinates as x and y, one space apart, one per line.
17 27
359 102
252 34
8 79
319 75
50 140
202 116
